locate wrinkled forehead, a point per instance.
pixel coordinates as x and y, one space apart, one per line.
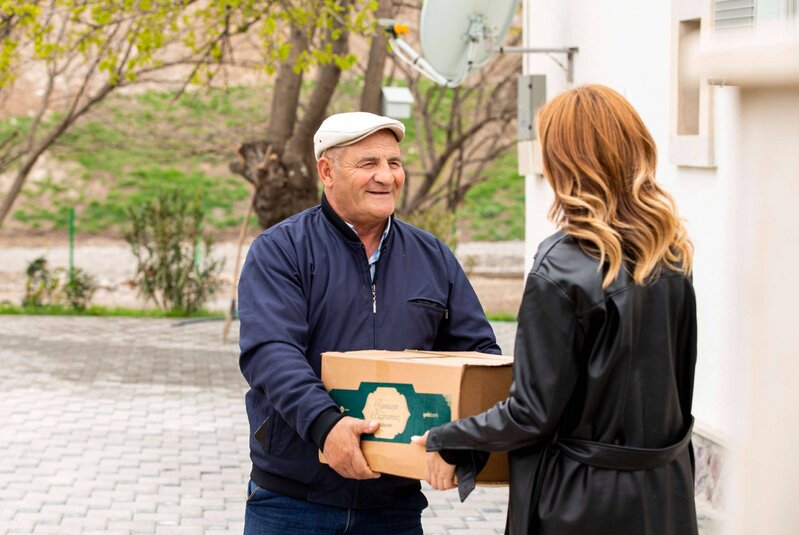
381 144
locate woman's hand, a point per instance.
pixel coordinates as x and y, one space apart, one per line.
440 474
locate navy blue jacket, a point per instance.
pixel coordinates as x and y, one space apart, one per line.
305 288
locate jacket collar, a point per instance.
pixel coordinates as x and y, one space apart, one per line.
339 223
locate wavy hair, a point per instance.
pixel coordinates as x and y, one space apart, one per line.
600 160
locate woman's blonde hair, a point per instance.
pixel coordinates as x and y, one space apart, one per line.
600 160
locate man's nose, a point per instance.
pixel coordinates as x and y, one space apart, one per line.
383 174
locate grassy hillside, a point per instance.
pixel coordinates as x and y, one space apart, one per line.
133 145
494 209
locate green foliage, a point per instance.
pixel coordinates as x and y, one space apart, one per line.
103 32
105 44
501 316
438 221
313 18
79 289
40 283
43 288
167 239
494 209
14 126
217 195
18 19
109 165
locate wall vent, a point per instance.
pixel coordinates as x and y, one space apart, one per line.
734 15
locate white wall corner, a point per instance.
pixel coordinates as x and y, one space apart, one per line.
692 151
529 153
691 97
538 158
691 9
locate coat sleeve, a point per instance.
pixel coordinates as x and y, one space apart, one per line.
274 336
544 375
466 327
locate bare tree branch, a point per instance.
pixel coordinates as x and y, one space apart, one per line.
460 131
300 146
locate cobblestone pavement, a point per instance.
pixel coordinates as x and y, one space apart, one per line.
117 425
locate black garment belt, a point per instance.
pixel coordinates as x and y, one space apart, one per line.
617 457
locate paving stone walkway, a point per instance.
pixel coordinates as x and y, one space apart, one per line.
116 425
120 426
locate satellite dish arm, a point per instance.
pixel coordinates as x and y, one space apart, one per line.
481 27
569 51
407 54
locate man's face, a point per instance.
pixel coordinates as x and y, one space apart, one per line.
363 180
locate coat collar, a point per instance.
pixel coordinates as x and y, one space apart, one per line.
340 225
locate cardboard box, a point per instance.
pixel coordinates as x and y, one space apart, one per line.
409 392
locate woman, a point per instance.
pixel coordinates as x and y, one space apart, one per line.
598 421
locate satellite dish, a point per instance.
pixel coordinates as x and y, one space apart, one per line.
457 37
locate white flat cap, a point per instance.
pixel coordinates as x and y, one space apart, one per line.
344 129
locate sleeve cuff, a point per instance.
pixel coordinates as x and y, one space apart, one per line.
433 440
322 426
468 463
456 457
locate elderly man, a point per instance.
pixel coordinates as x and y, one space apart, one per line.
341 276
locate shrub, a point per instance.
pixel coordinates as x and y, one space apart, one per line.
43 287
167 239
79 289
40 283
438 221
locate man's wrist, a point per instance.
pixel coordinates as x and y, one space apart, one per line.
322 425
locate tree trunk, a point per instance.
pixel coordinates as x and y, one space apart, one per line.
378 52
286 96
281 189
16 187
283 168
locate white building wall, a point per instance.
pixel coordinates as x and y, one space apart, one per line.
626 44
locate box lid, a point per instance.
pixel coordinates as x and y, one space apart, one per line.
455 359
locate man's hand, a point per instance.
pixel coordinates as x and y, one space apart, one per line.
440 474
343 448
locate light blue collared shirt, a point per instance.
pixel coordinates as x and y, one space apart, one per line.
375 255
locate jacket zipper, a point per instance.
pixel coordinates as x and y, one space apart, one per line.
373 282
374 296
374 309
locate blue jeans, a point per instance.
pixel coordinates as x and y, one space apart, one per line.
270 513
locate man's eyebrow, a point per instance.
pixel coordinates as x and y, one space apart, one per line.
375 159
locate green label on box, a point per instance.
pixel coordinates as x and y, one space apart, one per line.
401 411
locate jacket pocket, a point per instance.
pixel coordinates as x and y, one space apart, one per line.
430 303
266 431
282 438
423 318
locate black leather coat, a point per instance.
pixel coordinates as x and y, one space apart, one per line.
599 415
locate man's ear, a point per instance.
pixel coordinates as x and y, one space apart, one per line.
325 167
